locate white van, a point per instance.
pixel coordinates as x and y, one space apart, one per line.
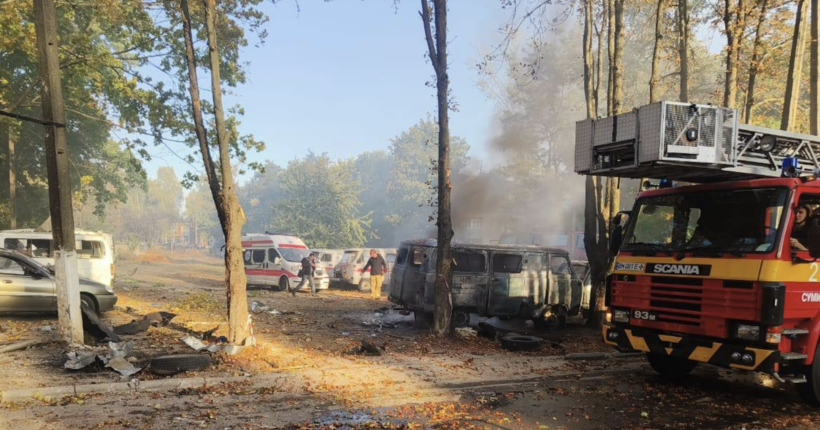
274 260
350 270
329 258
95 251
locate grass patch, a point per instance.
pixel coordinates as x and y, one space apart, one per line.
199 302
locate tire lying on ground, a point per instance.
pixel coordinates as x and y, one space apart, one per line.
168 365
520 342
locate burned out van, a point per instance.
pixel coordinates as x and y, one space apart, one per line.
506 281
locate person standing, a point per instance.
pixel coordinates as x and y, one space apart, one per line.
377 267
308 267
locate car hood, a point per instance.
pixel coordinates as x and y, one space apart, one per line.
90 286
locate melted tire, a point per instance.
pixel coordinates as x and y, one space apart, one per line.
520 342
168 365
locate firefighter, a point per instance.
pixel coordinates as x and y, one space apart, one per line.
800 230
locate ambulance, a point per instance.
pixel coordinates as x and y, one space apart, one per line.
275 259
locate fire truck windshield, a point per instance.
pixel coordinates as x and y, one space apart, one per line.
730 221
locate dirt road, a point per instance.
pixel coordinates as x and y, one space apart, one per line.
306 373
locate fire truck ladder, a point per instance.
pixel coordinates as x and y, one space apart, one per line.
689 142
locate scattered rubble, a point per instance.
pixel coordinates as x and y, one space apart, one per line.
139 326
96 328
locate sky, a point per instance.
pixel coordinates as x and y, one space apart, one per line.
346 76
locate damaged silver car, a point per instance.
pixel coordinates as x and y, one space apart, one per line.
505 281
28 286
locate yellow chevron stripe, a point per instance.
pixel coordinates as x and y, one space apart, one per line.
704 354
637 342
670 339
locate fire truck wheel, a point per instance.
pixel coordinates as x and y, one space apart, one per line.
283 283
671 367
810 390
364 285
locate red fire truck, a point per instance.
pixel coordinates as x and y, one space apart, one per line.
724 272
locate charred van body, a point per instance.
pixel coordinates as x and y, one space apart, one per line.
506 281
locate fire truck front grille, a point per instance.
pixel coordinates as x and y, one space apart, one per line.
677 300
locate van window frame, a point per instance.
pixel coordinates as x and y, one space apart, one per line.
276 254
413 259
401 256
483 257
517 270
254 253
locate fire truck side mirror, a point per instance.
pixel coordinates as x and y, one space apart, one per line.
814 241
615 239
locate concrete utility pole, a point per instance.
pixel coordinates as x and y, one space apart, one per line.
59 185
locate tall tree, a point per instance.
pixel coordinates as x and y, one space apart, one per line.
656 50
683 48
437 52
199 123
235 278
610 44
618 58
734 16
795 73
589 71
755 63
814 108
320 203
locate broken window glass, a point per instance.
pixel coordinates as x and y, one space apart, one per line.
507 263
469 262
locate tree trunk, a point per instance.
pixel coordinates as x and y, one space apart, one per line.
734 21
437 50
199 124
683 48
618 58
599 63
7 189
234 217
67 283
656 53
814 118
754 66
795 73
589 91
610 46
597 201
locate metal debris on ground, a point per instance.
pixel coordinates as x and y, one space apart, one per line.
122 366
259 307
115 359
139 326
379 324
198 345
80 359
97 328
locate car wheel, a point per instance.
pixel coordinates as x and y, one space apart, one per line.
168 365
810 390
520 342
89 302
364 285
675 368
283 283
461 318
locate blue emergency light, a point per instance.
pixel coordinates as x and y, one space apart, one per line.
790 166
666 183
